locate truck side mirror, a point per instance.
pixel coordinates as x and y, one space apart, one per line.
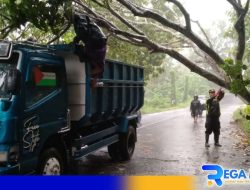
13 81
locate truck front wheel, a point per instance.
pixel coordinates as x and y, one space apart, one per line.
51 162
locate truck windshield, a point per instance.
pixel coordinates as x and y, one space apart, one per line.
6 65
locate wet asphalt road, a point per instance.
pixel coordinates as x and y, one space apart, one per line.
170 143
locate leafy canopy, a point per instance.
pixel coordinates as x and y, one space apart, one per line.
47 15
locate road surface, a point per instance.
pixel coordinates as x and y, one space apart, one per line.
170 143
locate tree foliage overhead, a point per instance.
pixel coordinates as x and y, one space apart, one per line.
128 53
162 26
47 15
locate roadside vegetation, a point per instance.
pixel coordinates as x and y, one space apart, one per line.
173 88
165 106
240 118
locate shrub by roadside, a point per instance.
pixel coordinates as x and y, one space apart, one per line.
149 107
241 117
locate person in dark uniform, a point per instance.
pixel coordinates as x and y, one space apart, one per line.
213 114
95 47
195 107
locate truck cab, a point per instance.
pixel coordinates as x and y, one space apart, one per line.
49 114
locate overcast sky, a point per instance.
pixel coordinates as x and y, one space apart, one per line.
207 11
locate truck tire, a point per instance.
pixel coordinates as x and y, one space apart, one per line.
114 151
127 144
51 162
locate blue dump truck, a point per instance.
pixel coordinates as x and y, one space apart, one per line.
50 116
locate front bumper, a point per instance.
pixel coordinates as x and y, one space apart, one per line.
9 170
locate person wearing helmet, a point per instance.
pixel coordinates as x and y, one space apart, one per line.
195 108
213 114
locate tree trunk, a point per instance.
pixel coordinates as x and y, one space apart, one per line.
173 88
186 86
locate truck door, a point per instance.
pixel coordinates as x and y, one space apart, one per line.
45 111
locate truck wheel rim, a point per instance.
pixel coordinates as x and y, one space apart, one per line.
52 167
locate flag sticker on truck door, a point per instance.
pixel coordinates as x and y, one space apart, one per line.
44 78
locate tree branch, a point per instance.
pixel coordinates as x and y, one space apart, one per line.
5 28
21 33
143 41
203 32
189 64
5 32
240 27
155 48
4 16
139 11
239 2
60 34
124 20
184 12
98 3
78 2
134 38
193 67
235 5
102 21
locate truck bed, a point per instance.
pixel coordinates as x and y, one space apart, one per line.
121 94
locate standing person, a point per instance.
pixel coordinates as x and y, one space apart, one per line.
213 114
95 43
195 108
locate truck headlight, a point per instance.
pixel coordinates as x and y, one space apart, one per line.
3 156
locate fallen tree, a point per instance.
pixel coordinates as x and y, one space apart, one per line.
134 15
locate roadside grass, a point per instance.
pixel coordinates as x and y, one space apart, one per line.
152 108
240 118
